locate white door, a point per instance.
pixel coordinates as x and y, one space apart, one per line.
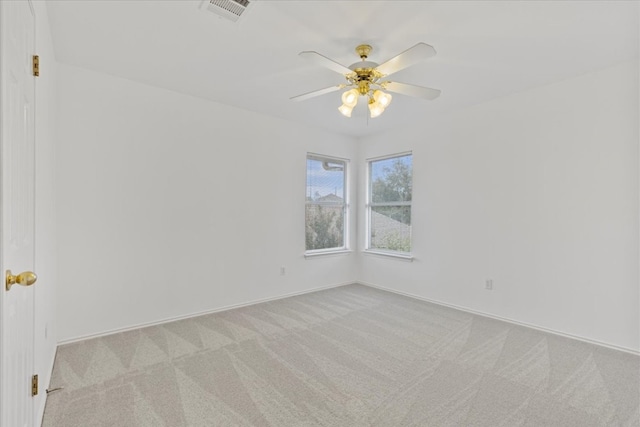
17 246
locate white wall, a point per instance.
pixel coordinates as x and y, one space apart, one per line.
537 191
46 265
170 205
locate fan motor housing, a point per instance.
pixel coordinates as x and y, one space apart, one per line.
365 71
363 65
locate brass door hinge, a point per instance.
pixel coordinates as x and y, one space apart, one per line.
34 385
36 65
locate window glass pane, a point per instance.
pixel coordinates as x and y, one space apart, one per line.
326 204
391 228
325 180
324 227
391 180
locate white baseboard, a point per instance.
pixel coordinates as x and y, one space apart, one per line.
456 307
504 319
200 313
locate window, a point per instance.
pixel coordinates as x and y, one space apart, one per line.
326 206
389 204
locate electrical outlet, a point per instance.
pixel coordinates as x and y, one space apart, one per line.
488 284
283 271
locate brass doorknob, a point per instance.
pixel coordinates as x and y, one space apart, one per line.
26 278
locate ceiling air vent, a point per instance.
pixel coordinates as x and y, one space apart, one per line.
229 9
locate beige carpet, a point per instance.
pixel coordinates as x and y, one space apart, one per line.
348 357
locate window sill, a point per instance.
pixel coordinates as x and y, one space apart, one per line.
404 257
326 253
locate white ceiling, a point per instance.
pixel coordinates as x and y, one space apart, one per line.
486 49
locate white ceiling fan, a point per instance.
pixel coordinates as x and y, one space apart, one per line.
368 79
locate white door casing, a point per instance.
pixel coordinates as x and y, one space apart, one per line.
17 188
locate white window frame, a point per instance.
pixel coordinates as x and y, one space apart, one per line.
345 206
369 205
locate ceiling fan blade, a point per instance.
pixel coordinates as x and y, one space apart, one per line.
325 62
315 93
411 56
412 90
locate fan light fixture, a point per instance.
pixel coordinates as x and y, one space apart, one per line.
350 98
375 108
366 80
378 101
346 110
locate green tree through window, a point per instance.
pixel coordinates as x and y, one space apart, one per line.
389 204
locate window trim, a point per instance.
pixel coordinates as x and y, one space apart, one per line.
405 256
369 205
345 248
325 252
